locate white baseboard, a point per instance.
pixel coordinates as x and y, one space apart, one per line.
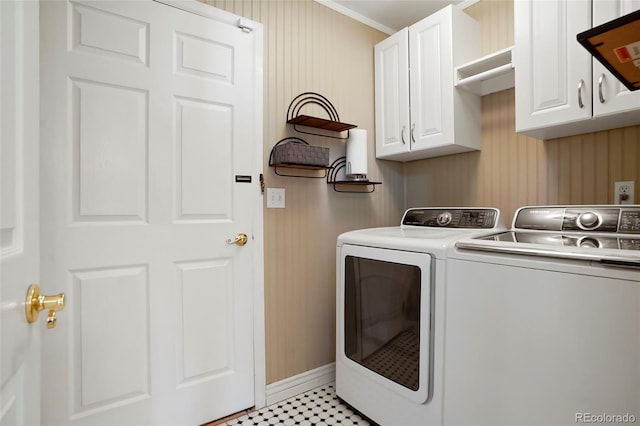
301 383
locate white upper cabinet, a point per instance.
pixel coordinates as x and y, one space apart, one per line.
419 112
553 72
392 94
560 89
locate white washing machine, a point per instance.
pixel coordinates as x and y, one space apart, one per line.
543 321
390 316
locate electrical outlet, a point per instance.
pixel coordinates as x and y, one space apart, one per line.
623 192
275 198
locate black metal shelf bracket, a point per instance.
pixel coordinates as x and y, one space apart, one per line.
311 98
331 124
334 170
275 169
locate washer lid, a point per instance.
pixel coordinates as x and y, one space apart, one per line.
621 251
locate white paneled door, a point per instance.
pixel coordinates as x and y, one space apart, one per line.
149 113
19 266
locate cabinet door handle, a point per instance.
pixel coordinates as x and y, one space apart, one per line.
413 126
580 86
600 94
402 134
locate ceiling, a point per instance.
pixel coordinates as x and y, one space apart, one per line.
390 15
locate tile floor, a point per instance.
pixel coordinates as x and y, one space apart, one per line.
318 407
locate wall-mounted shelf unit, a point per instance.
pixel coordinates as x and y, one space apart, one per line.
354 186
332 123
489 74
296 154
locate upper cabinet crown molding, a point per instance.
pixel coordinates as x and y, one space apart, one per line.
419 112
560 89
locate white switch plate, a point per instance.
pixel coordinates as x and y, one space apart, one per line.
623 192
275 198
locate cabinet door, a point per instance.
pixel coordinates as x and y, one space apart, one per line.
553 72
610 96
392 95
431 77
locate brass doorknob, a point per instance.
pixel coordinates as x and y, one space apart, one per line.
241 239
36 302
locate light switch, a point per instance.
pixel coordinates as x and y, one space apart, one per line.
275 198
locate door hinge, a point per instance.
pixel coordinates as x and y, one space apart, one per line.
245 25
261 183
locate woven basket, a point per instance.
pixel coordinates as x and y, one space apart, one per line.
298 151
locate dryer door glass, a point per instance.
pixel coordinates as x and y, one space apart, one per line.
382 318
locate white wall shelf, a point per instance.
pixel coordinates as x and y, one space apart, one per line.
489 74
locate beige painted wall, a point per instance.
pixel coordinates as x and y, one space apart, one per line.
311 48
513 170
308 47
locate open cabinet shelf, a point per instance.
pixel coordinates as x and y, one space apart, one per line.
489 74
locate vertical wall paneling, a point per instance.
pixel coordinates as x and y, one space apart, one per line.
513 170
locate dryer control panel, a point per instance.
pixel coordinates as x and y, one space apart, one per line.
469 218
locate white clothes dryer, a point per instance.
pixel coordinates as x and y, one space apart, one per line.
390 316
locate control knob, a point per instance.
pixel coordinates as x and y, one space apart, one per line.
589 242
589 221
444 218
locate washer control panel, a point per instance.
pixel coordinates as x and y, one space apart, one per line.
607 219
452 218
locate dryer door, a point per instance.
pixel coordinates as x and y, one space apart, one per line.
384 317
